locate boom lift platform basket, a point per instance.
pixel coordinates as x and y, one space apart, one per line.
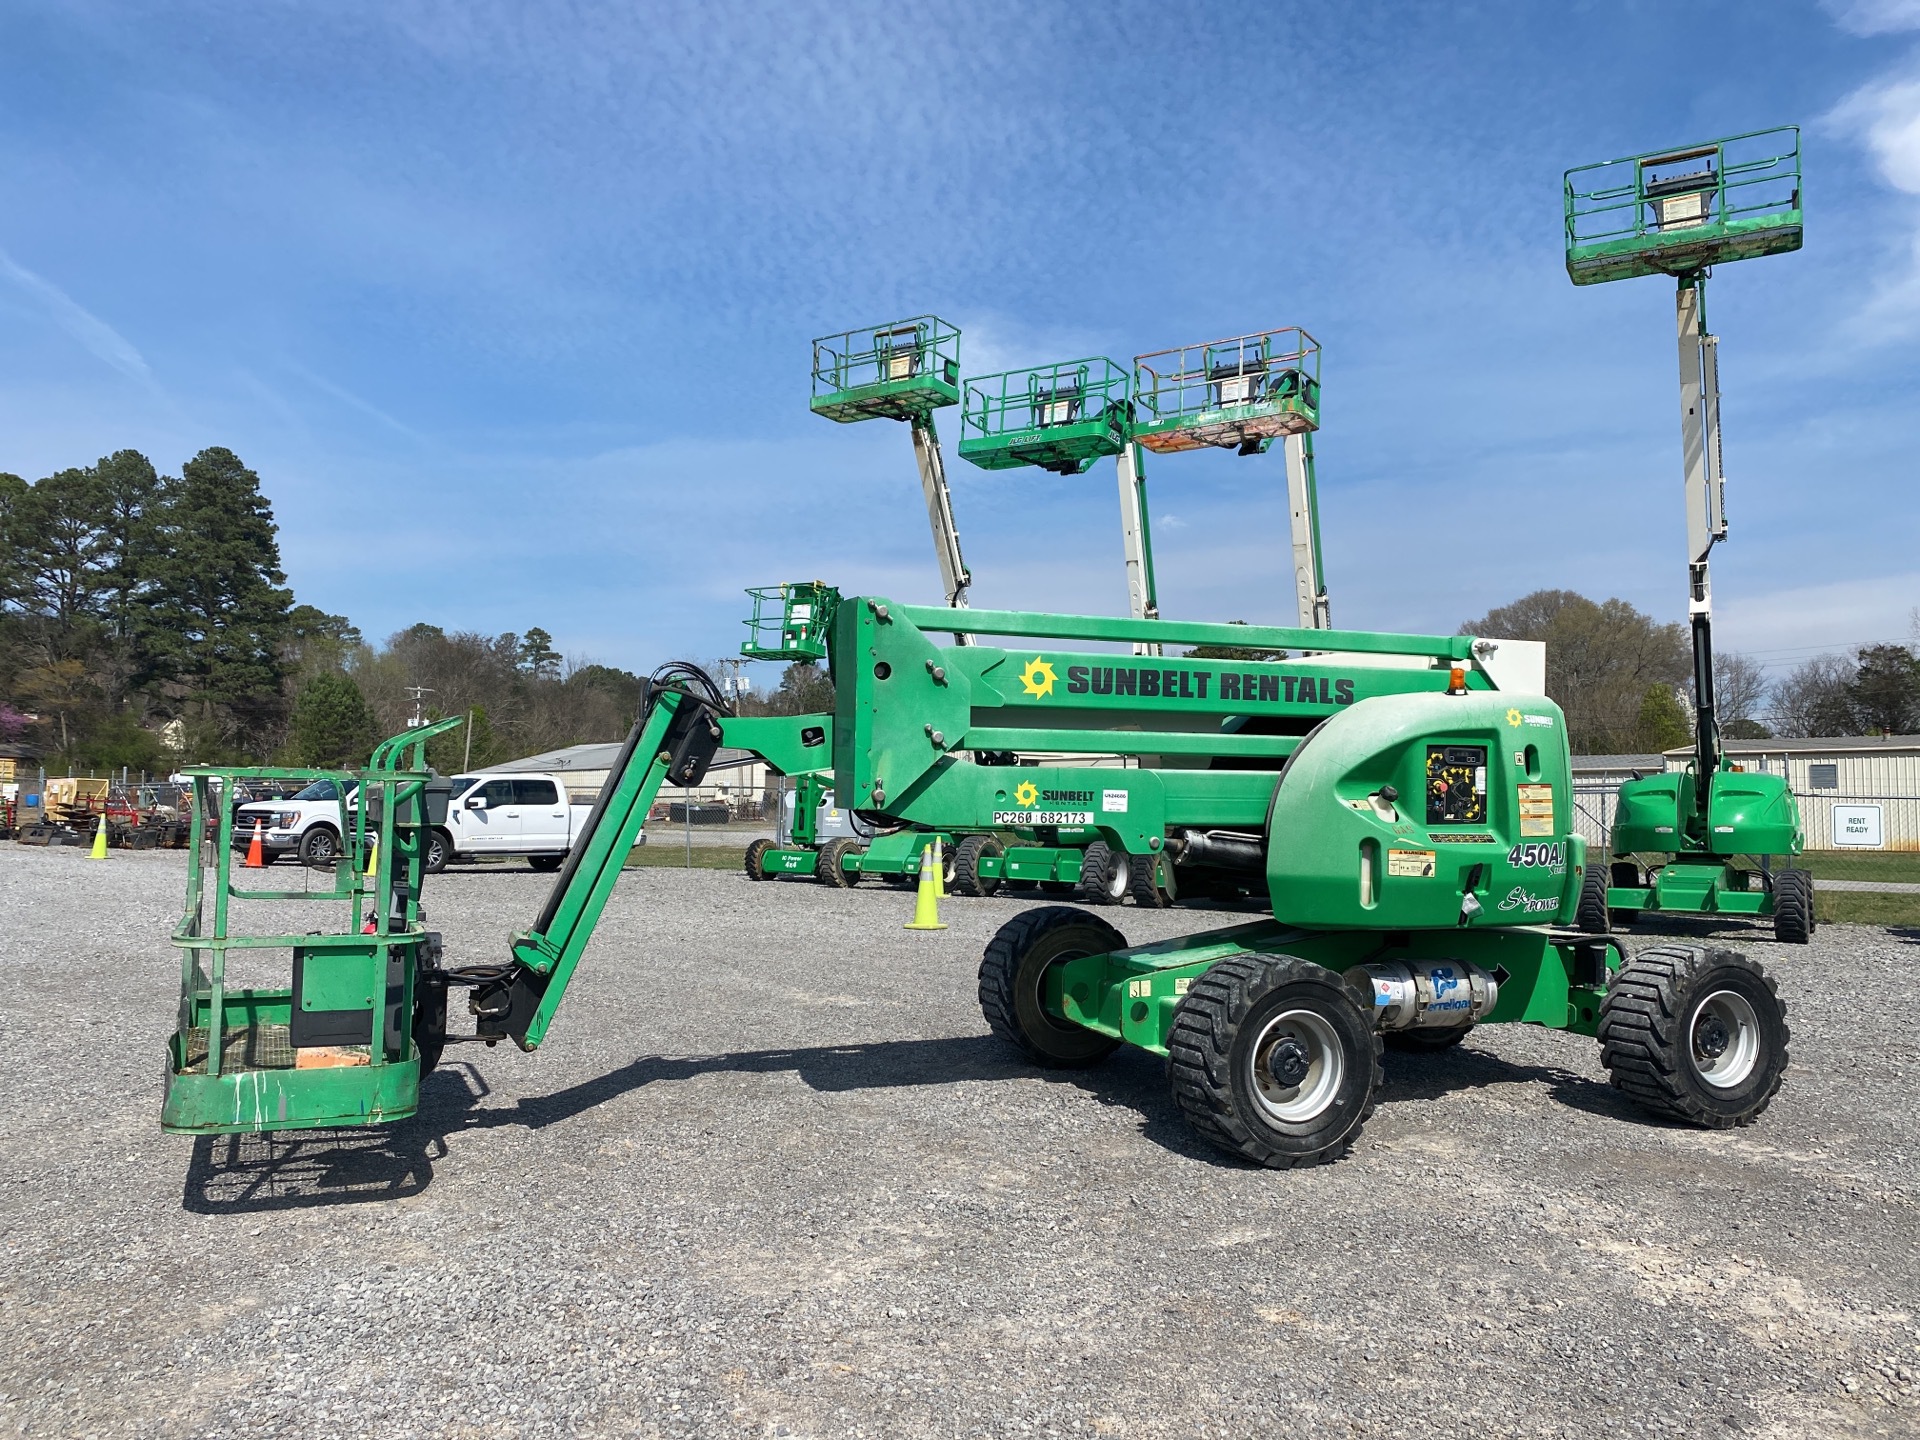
340 1044
1676 212
1240 394
896 371
1059 417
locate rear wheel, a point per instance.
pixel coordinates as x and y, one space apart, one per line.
1793 919
1695 1034
755 862
1591 916
547 863
1271 1058
830 868
967 879
1144 882
1105 875
1013 984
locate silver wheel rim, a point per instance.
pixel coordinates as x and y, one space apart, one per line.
1731 1013
1326 1067
1119 877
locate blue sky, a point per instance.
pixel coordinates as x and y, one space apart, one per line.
510 305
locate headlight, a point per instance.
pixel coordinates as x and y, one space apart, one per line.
286 820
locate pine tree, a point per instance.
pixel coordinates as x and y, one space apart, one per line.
332 723
1662 723
219 606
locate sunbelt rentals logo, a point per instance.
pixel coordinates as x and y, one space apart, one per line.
1026 794
1037 680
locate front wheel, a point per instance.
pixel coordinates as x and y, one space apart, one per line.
1591 916
1695 1034
1105 875
1013 984
756 858
1793 918
830 868
439 852
967 879
1271 1058
320 847
1145 884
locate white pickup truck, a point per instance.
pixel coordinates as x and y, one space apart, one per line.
487 816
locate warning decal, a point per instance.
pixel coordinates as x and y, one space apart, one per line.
1536 810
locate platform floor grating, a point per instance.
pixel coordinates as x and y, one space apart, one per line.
258 1047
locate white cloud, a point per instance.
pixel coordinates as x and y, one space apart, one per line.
1883 116
90 330
1786 626
1874 17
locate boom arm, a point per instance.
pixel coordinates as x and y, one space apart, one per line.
1706 509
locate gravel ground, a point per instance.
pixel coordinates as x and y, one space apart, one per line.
771 1177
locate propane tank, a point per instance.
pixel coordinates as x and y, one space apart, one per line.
1425 994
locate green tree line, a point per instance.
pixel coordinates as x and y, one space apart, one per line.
145 621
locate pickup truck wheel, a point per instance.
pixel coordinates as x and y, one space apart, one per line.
439 852
320 847
548 863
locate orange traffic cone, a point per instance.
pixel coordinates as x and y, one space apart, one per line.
256 858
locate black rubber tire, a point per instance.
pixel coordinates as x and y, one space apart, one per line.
1793 919
754 861
1623 874
1013 970
1426 1042
828 870
1212 1060
967 879
439 852
1143 882
1655 1032
320 847
1105 875
546 864
1591 915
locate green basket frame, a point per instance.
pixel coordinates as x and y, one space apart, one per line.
902 370
230 1066
1618 220
1241 393
1060 417
791 621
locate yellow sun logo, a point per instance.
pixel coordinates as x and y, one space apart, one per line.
1037 679
1513 717
1026 793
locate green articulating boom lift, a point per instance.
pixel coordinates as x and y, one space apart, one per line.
1686 842
1416 844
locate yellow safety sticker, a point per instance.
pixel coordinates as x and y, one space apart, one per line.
1536 810
1417 863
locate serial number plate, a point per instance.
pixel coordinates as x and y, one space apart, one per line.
1043 817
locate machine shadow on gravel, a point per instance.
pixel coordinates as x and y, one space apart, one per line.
1413 1077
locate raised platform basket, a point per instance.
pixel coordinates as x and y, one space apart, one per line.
1674 212
896 371
1239 394
1059 417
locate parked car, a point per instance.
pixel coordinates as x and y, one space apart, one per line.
306 823
495 815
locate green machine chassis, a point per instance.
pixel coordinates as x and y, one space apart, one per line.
1161 770
1416 848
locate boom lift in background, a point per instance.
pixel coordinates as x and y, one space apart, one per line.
1415 845
1697 841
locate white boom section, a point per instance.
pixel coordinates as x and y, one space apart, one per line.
954 576
1303 507
1700 441
1136 543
